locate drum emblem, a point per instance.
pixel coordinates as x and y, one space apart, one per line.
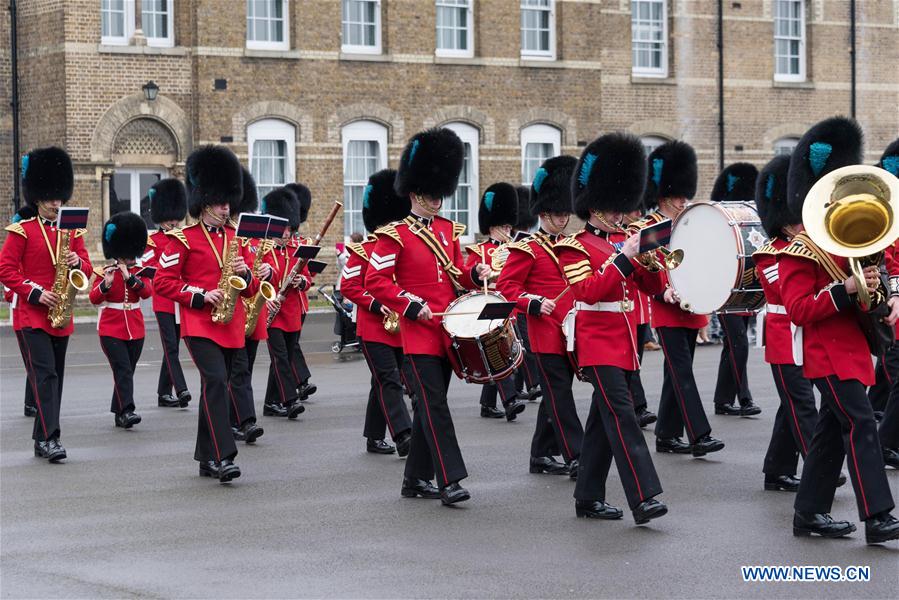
756 238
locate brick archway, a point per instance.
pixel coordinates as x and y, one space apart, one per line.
367 111
465 114
546 116
272 109
135 106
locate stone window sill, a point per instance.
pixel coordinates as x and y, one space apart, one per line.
146 50
641 80
796 85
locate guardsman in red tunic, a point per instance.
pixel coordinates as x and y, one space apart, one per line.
28 267
736 183
25 212
533 278
281 398
416 270
497 214
820 298
190 271
671 182
301 367
168 207
527 377
118 290
383 349
608 181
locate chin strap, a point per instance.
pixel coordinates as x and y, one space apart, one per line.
425 206
217 220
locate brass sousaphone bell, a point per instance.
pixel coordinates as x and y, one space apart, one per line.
851 212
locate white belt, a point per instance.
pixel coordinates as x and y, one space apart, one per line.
123 305
620 306
776 309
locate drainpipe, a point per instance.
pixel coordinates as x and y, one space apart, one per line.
14 101
720 85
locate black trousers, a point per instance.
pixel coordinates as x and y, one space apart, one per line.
386 409
557 405
301 369
794 423
170 373
240 389
434 447
526 376
732 382
282 384
680 404
638 395
887 372
845 428
252 347
216 365
889 425
45 363
29 388
612 431
506 389
122 356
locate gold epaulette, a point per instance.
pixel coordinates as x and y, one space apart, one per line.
390 231
80 233
522 245
17 228
358 250
651 219
797 248
571 242
475 249
179 234
768 249
458 230
150 242
99 272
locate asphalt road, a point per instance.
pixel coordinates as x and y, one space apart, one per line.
315 516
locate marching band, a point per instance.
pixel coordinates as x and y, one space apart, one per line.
812 237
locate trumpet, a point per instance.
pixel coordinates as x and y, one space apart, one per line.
671 259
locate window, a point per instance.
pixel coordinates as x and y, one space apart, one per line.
272 146
364 154
462 206
538 142
117 23
651 142
455 26
128 191
361 26
114 21
538 24
649 38
789 40
785 145
156 21
267 25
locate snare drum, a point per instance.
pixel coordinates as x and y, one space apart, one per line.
485 351
718 273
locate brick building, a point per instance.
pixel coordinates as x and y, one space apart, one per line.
327 91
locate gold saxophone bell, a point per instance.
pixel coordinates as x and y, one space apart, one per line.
851 212
229 283
391 323
67 282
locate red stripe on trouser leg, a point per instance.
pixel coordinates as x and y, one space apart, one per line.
215 443
165 356
277 372
783 384
424 401
234 404
37 397
858 474
733 363
620 436
552 402
678 393
374 373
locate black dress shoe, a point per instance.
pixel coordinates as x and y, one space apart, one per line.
705 445
30 411
295 410
729 410
307 389
209 468
490 412
881 528
646 417
533 393
274 410
51 449
453 493
419 488
547 464
781 483
841 480
805 524
749 409
378 447
228 471
648 510
878 415
673 445
248 432
596 509
891 457
167 401
403 443
573 467
513 409
127 419
183 398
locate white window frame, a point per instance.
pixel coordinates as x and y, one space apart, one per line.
277 130
128 29
135 173
662 71
469 134
454 53
156 42
362 49
801 75
651 142
785 145
284 44
161 42
362 131
539 54
539 133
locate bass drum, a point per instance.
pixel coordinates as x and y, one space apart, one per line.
718 273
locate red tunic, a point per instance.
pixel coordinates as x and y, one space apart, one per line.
120 314
289 317
598 273
27 268
156 243
641 300
405 272
778 334
369 319
252 247
531 274
189 267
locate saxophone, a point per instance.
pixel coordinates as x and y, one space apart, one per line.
266 292
229 283
67 282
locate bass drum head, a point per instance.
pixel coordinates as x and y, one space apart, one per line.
467 325
708 273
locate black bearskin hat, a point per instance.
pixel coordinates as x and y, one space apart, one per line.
526 219
736 183
249 200
380 202
124 236
47 175
771 196
499 206
168 200
25 212
889 160
551 189
304 196
610 175
431 164
214 176
827 146
671 173
281 202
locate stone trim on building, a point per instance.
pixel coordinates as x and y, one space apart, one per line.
129 108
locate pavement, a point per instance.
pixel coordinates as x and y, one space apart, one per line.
313 515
